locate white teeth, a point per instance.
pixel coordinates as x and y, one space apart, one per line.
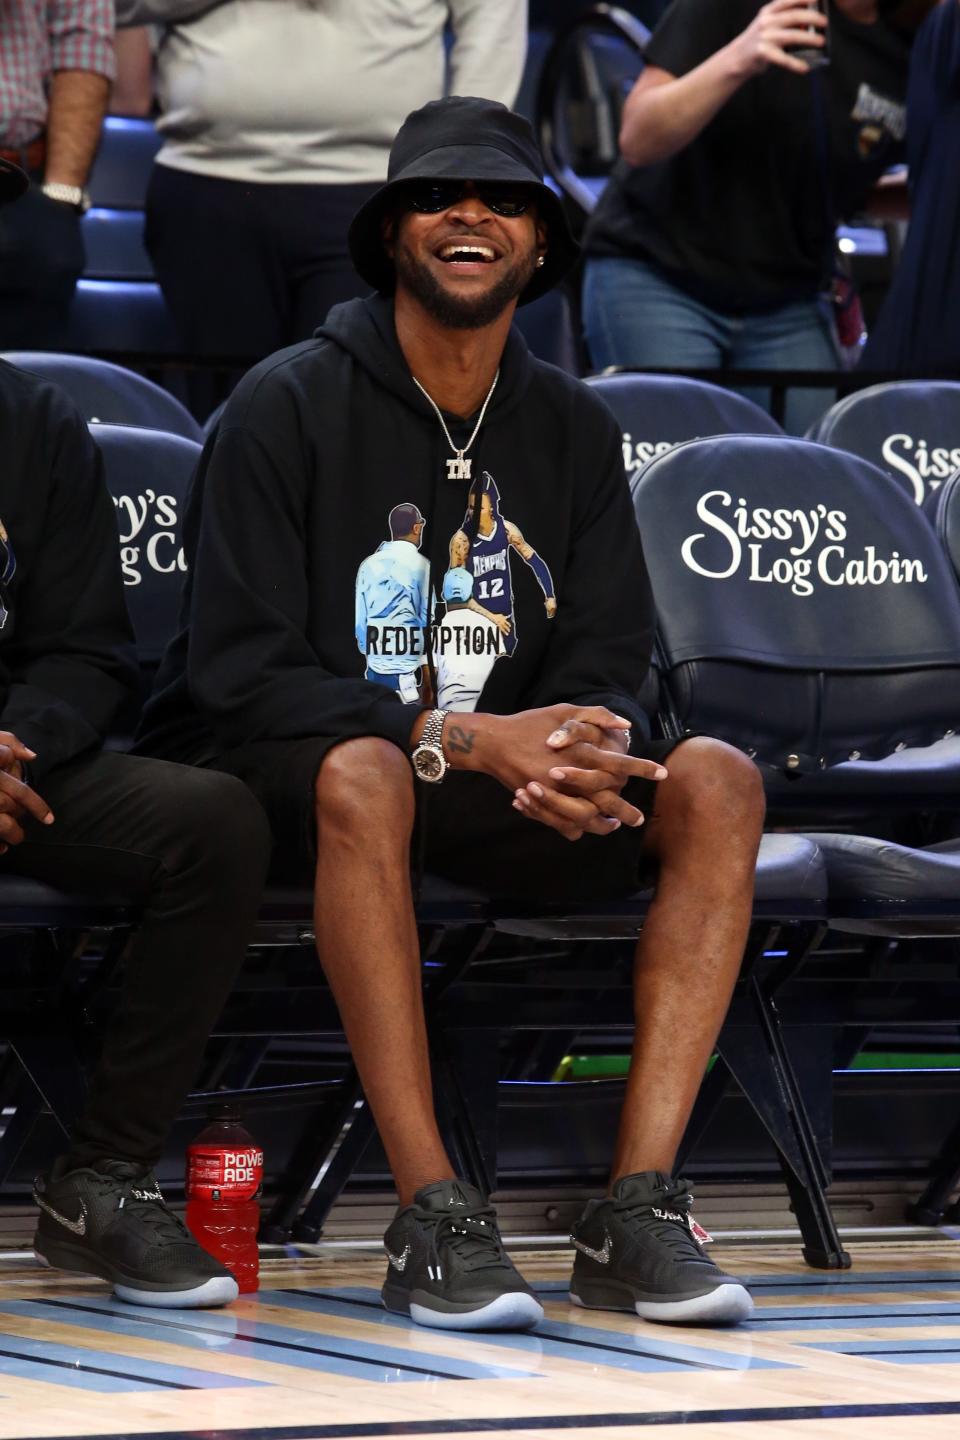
484 251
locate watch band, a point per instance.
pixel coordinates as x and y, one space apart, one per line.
433 730
74 195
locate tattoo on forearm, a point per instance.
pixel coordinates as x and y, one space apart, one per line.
460 740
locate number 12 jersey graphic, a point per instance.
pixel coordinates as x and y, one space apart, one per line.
479 625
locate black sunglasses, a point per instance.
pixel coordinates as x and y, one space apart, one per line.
432 196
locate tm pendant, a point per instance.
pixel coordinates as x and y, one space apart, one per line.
458 467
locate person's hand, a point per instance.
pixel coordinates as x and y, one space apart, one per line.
584 772
514 749
14 754
550 605
779 25
17 800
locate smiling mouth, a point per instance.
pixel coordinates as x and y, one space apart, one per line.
466 253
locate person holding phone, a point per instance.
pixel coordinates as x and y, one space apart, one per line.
712 245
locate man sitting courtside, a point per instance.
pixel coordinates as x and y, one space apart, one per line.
423 396
189 847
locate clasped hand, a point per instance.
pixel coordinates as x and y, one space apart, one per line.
567 766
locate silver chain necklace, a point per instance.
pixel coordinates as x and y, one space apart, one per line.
458 468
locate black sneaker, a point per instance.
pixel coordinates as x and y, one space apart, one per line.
113 1222
639 1251
447 1265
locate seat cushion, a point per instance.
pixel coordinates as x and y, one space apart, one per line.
879 887
791 883
30 903
790 869
910 777
860 867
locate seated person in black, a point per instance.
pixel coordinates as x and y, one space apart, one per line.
189 847
714 239
414 454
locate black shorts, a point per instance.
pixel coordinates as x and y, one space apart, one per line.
473 835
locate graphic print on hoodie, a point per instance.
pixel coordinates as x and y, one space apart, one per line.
322 521
394 604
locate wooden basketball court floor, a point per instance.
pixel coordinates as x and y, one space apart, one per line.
872 1352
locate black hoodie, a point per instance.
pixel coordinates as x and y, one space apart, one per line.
306 551
66 647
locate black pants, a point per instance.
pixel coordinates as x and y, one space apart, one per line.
248 268
471 833
193 847
41 258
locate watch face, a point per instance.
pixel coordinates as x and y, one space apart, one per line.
428 764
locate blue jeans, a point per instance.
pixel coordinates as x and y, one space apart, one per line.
634 317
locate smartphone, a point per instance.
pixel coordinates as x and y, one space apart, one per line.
816 55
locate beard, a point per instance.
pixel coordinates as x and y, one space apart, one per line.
461 312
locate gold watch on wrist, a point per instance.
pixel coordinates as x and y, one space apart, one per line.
428 760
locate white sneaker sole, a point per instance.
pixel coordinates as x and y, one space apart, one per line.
218 1290
726 1305
507 1312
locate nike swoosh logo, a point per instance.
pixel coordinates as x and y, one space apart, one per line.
399 1262
77 1227
602 1257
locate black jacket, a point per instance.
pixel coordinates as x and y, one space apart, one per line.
66 647
317 446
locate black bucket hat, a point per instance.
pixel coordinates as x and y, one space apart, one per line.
13 182
463 138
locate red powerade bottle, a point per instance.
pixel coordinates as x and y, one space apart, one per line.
224 1176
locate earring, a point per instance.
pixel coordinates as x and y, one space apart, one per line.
541 260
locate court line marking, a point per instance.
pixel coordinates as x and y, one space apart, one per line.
517 1424
25 1366
178 1327
553 1338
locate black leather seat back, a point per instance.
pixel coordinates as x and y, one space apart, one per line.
806 611
657 412
147 473
909 428
110 394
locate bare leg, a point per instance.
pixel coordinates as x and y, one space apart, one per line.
368 947
705 837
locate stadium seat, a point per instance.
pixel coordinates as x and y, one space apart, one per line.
658 412
877 887
942 507
147 473
800 619
113 241
547 326
213 420
125 317
121 171
108 393
806 623
584 81
910 429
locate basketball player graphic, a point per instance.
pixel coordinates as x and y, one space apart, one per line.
482 546
466 645
392 604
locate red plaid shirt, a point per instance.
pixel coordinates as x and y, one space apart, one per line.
38 37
